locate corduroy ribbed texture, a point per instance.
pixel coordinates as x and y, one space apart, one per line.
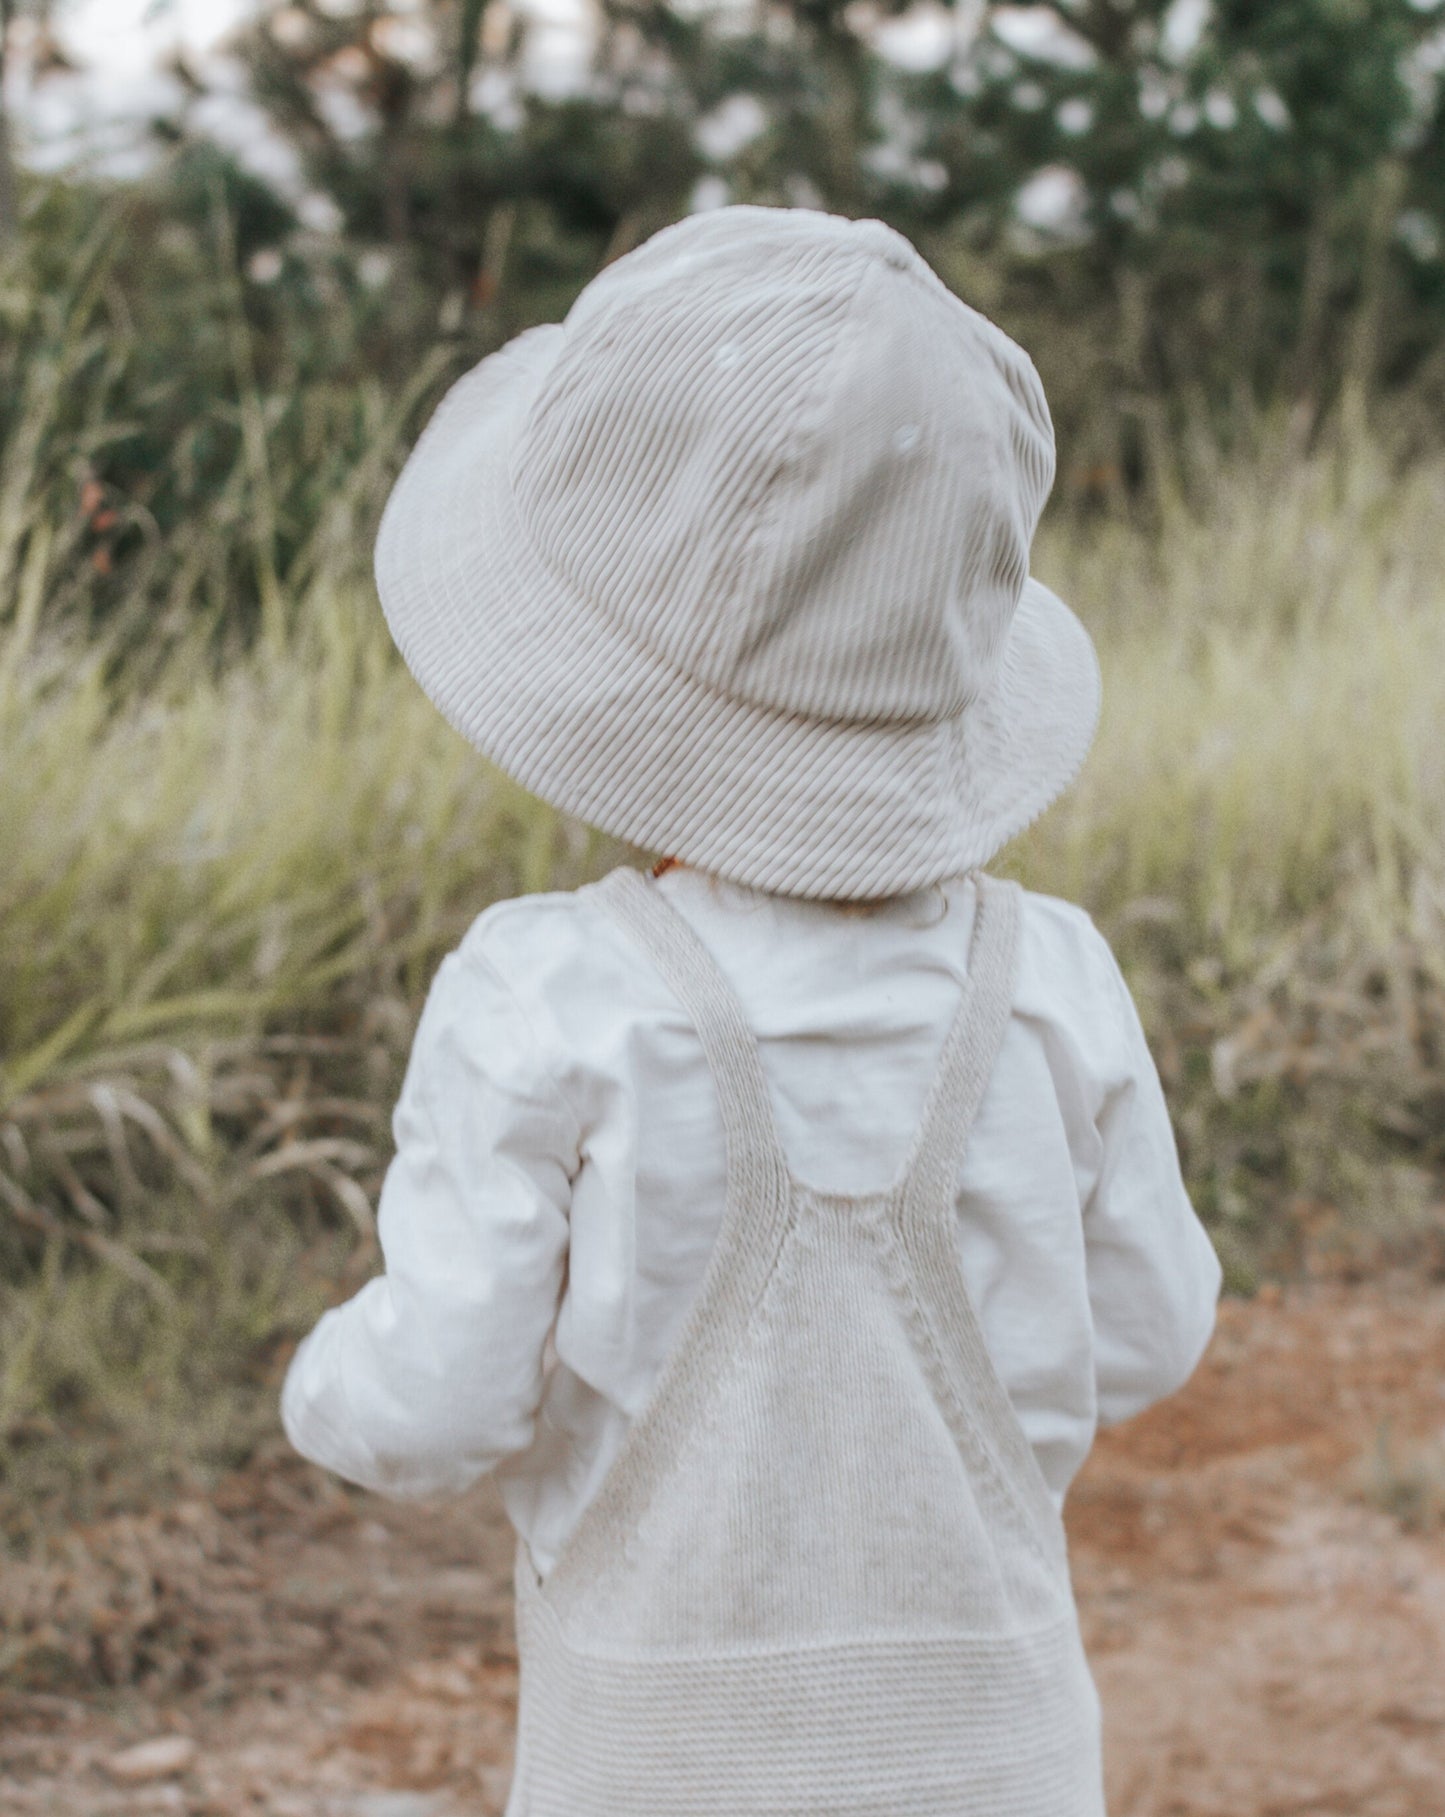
734 562
824 1573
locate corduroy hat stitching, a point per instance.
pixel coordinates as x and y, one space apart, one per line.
560 694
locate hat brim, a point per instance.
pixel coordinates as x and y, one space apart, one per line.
580 713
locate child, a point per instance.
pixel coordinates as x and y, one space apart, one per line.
834 1175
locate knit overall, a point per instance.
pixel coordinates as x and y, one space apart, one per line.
824 1573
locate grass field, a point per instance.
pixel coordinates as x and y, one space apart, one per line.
223 891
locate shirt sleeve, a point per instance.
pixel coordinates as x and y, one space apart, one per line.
433 1372
1154 1276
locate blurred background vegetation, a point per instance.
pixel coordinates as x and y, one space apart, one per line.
235 839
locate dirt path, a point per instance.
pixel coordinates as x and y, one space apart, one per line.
1268 1642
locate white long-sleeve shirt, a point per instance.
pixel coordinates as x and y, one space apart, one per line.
559 1182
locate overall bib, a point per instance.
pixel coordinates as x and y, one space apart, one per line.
824 1573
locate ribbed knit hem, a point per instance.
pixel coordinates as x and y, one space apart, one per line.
898 1726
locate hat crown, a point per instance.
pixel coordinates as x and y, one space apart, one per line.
778 452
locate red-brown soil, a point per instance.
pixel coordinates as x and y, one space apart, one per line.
1269 1641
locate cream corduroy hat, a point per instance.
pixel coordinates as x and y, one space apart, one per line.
733 562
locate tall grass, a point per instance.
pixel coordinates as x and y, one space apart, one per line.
1261 829
1273 641
224 887
222 898
221 902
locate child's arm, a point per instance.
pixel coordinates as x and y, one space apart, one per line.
432 1373
1154 1277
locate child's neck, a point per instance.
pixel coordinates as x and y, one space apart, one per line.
844 905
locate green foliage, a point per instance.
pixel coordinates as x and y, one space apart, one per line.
176 441
1239 199
1255 221
1254 207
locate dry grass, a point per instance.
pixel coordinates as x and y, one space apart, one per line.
222 896
1259 830
222 901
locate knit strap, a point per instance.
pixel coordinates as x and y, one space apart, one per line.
759 1205
757 1165
926 1205
971 1046
754 1223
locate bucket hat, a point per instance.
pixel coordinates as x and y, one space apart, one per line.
732 563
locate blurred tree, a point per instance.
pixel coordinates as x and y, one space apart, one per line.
1171 193
1178 207
1239 189
42 55
418 125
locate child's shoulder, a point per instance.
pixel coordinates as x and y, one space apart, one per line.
553 933
545 934
1061 923
1065 962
